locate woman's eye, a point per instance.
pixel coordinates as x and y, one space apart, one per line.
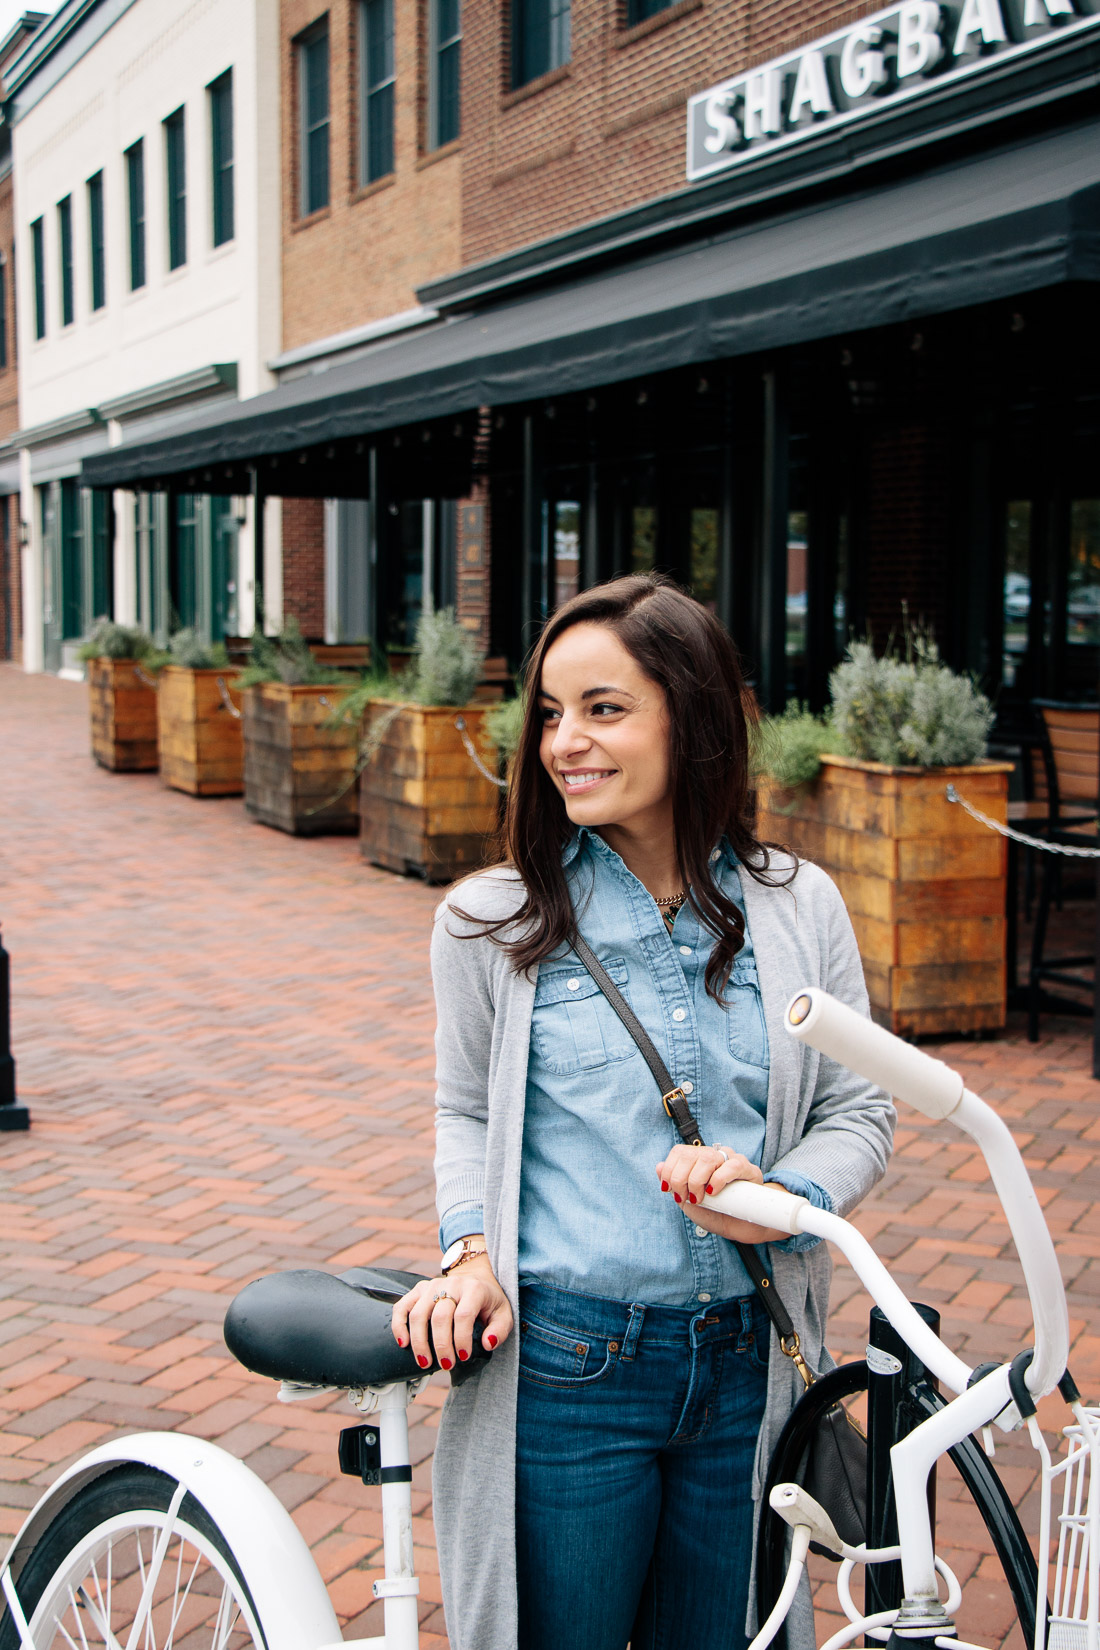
549 715
607 710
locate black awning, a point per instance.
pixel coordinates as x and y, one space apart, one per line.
1010 221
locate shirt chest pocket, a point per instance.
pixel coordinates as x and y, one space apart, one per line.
748 1036
575 1027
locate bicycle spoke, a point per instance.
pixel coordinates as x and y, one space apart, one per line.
78 1618
181 1601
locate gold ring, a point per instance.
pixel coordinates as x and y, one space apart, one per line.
442 1295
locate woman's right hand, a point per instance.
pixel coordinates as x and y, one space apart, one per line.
470 1293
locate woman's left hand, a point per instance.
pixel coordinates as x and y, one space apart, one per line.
689 1172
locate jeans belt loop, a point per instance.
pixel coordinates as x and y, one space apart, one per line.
633 1331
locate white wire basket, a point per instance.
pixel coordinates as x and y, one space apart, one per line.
1073 1480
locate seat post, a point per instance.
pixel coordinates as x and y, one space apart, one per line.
400 1588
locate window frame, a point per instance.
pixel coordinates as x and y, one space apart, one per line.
135 212
97 241
640 11
559 52
38 272
174 127
4 362
438 45
305 43
223 203
65 260
378 93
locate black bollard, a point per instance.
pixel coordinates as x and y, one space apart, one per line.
13 1116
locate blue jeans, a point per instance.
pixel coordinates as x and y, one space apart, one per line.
636 1433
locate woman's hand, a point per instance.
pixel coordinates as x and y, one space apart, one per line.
689 1172
471 1292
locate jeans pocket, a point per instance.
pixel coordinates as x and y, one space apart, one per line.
561 1358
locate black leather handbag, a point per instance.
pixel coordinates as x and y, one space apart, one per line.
835 1468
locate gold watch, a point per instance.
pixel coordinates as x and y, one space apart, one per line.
461 1249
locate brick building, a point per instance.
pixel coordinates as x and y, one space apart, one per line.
842 364
11 600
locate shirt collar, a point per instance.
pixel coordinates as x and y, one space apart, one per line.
583 838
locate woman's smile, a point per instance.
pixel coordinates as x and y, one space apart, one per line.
583 779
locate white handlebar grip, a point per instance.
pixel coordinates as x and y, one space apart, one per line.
845 1036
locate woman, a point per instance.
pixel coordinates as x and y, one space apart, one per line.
595 1483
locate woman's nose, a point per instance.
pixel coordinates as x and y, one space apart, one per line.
568 737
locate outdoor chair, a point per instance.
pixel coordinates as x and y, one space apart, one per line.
1070 774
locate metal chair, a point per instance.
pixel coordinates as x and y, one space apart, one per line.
1070 751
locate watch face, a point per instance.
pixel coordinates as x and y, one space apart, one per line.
452 1254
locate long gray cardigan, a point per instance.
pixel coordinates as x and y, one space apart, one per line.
821 1120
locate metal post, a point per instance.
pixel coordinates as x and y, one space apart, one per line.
257 548
891 1370
13 1117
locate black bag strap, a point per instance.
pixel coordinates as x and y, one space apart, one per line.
676 1105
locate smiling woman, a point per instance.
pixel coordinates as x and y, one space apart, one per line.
592 1483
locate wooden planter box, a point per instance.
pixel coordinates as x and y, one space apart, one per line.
424 809
124 716
201 750
923 882
299 775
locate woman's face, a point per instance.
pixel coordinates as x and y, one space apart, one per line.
605 732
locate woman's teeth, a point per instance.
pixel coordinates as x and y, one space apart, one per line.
577 781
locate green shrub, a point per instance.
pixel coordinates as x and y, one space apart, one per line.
286 657
908 712
446 663
109 640
503 724
189 650
788 748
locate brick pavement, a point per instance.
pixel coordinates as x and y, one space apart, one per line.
225 1037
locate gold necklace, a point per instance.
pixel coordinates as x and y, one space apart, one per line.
669 899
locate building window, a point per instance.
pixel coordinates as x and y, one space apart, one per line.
220 93
445 121
38 257
540 38
96 244
65 245
638 10
175 166
376 56
135 186
313 120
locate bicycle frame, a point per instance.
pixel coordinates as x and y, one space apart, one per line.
938 1092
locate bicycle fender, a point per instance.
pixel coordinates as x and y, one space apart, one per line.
269 1549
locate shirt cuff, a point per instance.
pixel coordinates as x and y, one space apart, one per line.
464 1220
813 1193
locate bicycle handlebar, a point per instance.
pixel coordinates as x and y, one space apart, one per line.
935 1089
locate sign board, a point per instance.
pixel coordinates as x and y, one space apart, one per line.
894 54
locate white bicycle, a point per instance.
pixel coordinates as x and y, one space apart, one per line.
163 1542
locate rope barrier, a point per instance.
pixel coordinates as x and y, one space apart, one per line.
1019 836
227 701
472 753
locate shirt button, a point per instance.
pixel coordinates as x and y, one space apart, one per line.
574 985
699 1232
685 951
679 1013
703 1296
713 857
688 1088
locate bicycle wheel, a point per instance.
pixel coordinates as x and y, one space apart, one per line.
102 1571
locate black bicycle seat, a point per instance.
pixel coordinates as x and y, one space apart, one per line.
321 1330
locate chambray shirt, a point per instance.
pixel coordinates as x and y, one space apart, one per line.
592 1216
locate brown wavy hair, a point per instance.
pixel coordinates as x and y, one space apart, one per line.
685 649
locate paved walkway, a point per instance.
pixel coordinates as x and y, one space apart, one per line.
225 1037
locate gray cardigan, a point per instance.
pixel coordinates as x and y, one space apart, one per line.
822 1121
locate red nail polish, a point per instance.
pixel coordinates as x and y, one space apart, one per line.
423 1362
692 1198
492 1340
444 1363
710 1189
677 1196
463 1355
664 1185
400 1341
